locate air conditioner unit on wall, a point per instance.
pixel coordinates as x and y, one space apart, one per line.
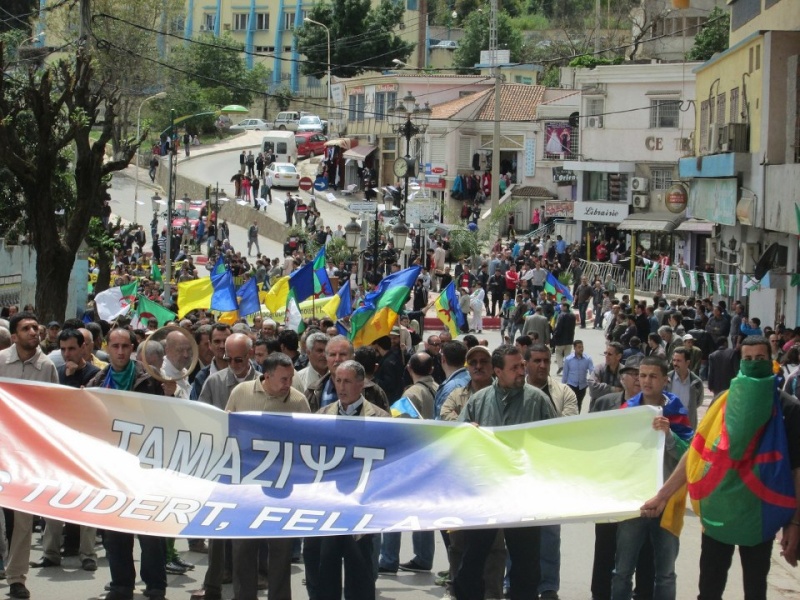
372 139
639 184
733 137
641 200
748 254
594 122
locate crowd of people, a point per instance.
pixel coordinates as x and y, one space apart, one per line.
663 352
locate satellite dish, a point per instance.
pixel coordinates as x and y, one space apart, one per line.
766 261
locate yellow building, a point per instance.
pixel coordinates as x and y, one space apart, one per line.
745 175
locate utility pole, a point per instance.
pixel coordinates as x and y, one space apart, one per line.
170 203
495 195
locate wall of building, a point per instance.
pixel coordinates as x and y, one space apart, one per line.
750 16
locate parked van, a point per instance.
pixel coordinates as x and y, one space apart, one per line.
281 144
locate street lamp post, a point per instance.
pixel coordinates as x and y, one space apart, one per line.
138 128
170 202
328 33
400 118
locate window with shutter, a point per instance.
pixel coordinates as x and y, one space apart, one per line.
465 153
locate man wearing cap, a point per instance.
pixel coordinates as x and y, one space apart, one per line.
566 404
563 334
605 534
479 366
695 354
50 342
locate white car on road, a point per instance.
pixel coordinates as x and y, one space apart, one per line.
251 124
284 175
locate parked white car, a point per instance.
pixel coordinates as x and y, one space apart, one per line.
311 123
251 124
284 175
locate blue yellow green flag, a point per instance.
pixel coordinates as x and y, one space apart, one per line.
448 311
379 312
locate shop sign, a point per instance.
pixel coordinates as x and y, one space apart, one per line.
559 210
564 176
676 199
435 183
601 212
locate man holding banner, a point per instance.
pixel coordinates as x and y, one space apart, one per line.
23 360
522 403
125 374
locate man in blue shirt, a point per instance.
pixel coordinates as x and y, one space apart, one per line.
577 367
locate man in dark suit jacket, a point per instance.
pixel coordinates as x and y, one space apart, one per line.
723 365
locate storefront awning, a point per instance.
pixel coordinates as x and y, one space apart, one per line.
359 153
343 143
696 226
661 223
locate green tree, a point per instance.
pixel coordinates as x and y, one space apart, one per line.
713 37
362 37
476 38
104 243
46 117
16 13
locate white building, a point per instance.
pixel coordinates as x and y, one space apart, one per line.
636 122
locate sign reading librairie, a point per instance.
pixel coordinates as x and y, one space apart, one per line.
603 212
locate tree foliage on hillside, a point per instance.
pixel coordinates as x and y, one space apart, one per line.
713 37
476 38
16 14
362 37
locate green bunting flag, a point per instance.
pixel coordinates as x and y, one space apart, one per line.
721 280
682 277
732 281
693 280
707 280
795 280
667 275
653 270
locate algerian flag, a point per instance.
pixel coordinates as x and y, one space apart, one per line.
653 270
294 320
732 284
751 285
707 279
667 275
693 280
682 277
155 272
146 309
115 302
721 280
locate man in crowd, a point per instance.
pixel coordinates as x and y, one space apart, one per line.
272 392
566 404
716 554
123 373
563 334
355 551
521 403
216 392
723 365
317 362
605 534
454 353
674 422
685 384
433 347
577 367
605 379
75 372
537 324
25 360
421 394
219 333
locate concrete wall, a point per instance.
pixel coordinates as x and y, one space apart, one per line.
21 260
